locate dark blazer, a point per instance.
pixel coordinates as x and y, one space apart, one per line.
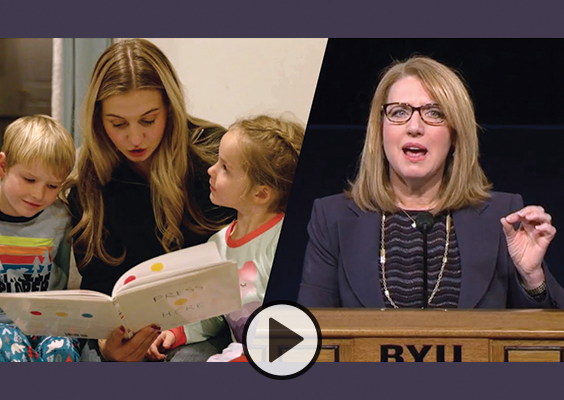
341 262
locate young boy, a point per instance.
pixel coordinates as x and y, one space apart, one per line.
37 156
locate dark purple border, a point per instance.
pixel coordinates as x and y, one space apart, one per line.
291 18
240 381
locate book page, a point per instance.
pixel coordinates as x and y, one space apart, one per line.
191 258
77 313
181 299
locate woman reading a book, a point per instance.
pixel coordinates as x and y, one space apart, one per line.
419 226
141 187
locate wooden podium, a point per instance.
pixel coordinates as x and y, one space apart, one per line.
440 335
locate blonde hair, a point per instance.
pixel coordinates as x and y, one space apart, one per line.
39 138
270 149
464 183
132 65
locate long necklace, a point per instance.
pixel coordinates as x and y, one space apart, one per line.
383 258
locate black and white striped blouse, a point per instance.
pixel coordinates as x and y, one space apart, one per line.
404 263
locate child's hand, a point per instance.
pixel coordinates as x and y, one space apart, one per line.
116 348
161 344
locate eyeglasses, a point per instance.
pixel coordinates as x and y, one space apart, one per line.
400 113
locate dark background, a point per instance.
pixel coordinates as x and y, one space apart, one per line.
518 90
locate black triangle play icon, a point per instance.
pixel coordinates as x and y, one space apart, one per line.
280 339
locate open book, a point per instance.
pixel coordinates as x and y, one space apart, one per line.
170 290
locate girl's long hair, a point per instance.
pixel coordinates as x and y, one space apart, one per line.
131 65
270 152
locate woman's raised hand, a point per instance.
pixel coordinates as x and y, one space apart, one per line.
527 245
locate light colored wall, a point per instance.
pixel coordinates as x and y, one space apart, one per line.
225 79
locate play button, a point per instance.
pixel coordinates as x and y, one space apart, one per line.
282 340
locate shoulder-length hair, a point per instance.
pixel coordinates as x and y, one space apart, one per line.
464 182
124 66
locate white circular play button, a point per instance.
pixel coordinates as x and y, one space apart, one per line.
282 340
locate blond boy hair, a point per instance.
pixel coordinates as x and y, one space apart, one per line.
39 138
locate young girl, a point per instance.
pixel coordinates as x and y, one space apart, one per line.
254 174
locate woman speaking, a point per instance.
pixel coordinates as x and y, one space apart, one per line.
419 226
